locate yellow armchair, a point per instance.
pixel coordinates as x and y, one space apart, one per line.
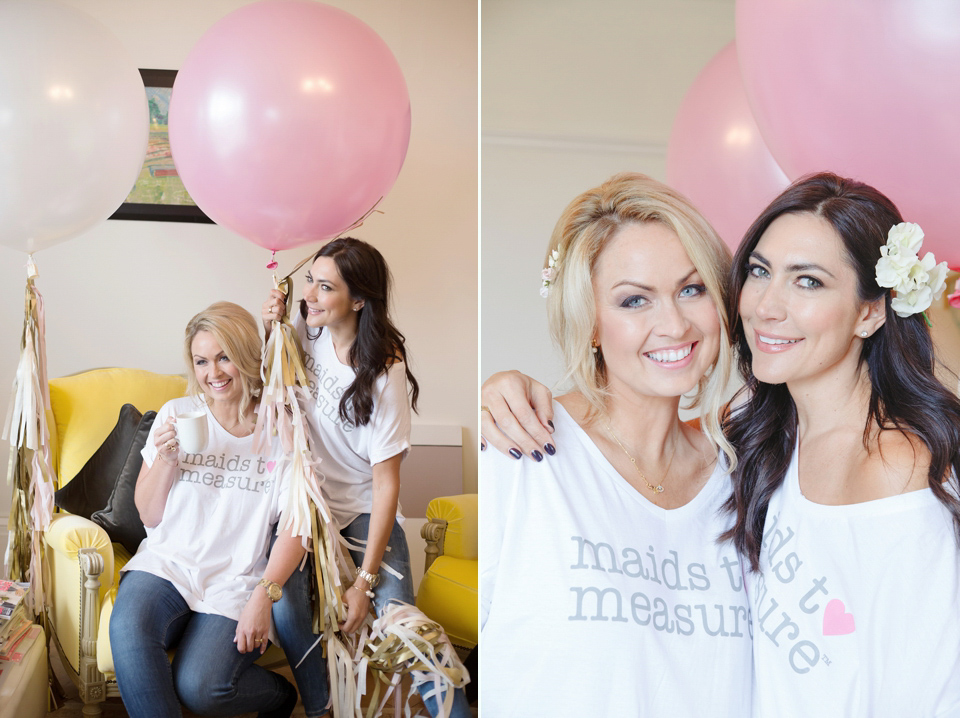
448 591
83 564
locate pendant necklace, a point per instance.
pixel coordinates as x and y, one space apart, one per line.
658 489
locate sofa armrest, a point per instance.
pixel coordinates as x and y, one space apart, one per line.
459 537
80 557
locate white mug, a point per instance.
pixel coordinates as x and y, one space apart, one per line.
192 431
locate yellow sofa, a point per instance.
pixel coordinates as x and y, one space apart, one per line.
448 591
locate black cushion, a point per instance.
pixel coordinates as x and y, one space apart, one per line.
103 489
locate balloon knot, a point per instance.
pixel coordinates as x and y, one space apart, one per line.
272 264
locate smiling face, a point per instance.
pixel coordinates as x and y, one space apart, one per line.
327 296
218 377
657 327
801 313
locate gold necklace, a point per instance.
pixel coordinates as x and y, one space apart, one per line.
658 489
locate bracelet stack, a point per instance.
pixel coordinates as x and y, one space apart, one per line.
370 594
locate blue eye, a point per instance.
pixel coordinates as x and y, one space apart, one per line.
758 272
693 290
634 301
809 282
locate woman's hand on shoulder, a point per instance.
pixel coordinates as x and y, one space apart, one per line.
516 415
273 308
253 628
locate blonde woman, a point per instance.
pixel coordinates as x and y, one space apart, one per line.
604 590
201 581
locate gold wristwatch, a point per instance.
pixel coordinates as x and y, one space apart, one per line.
274 590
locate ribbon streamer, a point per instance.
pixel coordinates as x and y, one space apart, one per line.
30 471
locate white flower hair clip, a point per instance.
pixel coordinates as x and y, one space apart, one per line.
917 282
549 273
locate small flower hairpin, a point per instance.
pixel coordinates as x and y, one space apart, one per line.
549 272
917 282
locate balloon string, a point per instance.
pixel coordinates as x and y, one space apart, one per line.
352 226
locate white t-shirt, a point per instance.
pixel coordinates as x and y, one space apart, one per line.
857 608
348 452
212 541
596 602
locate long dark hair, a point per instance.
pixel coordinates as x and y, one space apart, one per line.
378 344
904 392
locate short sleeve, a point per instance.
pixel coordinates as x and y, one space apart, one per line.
390 423
500 479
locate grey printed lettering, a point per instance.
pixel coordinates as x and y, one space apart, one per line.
819 586
787 621
791 563
600 595
706 626
806 650
597 549
736 579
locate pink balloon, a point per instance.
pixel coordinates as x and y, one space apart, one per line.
716 155
288 121
866 89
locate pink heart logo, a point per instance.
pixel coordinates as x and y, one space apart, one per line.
836 621
271 465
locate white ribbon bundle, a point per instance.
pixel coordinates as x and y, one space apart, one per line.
404 641
30 470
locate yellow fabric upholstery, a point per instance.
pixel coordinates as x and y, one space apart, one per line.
448 591
448 595
64 539
104 653
86 406
460 513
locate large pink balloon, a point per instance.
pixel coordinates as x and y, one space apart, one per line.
865 88
288 121
716 155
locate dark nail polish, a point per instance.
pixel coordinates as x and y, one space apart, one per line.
551 424
550 449
537 455
515 453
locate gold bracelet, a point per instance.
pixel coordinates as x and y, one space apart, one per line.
369 593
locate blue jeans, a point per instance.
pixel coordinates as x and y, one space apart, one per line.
208 674
293 619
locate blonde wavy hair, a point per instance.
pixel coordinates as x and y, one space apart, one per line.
237 333
582 233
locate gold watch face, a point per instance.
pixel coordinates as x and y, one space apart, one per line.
274 592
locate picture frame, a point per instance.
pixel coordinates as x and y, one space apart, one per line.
159 194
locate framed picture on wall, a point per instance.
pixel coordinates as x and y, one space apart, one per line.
159 194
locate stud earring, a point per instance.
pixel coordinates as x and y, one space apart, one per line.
594 346
863 334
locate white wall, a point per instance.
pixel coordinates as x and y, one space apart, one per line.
120 294
573 91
